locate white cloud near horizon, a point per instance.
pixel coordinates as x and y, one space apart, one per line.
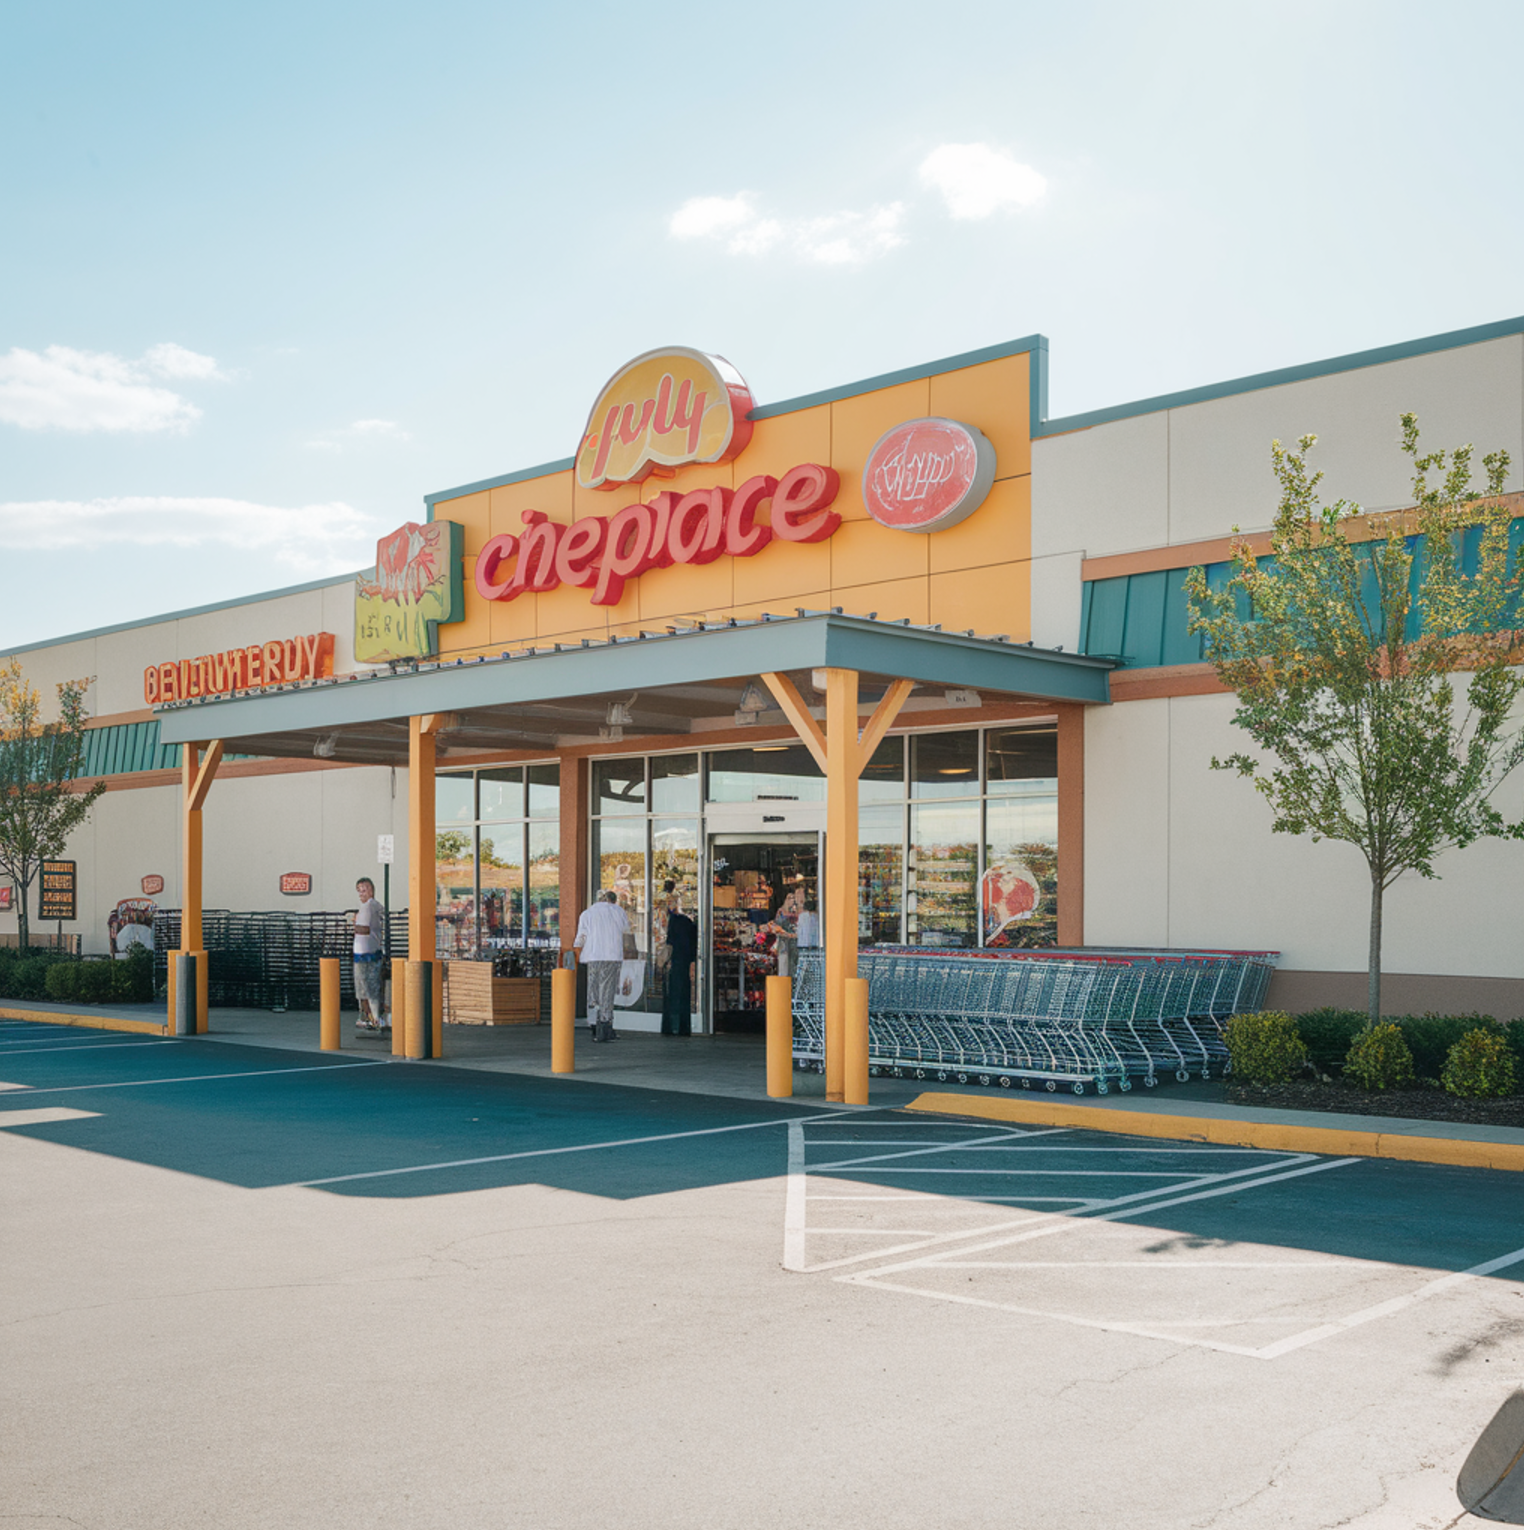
845 238
976 179
314 539
360 430
61 388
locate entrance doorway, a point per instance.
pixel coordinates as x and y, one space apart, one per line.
763 898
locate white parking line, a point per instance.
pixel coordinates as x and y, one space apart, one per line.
88 1046
202 1078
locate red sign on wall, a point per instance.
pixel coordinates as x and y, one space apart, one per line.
152 885
295 884
239 669
6 894
927 475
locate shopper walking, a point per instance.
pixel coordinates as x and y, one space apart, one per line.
677 995
601 932
370 925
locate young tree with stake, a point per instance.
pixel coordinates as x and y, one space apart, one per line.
1348 650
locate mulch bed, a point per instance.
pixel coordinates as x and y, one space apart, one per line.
1411 1104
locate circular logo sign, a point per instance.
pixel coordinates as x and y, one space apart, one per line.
927 475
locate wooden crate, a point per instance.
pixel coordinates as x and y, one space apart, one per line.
478 998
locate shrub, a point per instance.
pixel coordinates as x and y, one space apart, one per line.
1430 1037
1264 1048
94 983
28 977
1380 1058
1480 1066
1327 1034
59 980
132 978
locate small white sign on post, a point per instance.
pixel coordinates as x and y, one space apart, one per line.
386 847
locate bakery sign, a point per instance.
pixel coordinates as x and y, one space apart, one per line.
240 669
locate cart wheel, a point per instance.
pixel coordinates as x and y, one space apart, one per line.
1150 1081
1052 1087
920 1073
942 1075
984 1080
899 1073
1125 1086
1026 1083
872 1070
1206 1073
1079 1088
1182 1077
1005 1080
1103 1088
963 1078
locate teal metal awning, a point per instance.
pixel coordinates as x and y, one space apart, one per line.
672 682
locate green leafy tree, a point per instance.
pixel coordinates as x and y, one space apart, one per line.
1346 650
40 803
451 845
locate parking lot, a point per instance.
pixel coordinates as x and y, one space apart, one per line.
248 1285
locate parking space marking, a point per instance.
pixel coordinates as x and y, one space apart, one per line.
46 1116
83 1046
203 1078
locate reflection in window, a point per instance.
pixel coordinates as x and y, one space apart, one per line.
768 772
880 875
454 800
619 853
1015 756
455 889
501 856
544 909
502 792
675 783
883 777
1019 897
944 764
544 791
944 865
619 786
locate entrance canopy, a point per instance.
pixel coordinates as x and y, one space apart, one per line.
675 682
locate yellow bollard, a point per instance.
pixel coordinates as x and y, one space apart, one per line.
855 1048
328 1007
563 1020
399 1008
780 1037
419 1021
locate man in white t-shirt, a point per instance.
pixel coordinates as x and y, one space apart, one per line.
601 932
370 924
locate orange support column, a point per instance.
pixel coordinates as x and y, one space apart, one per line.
422 893
196 776
840 867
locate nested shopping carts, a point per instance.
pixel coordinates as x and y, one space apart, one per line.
1074 1018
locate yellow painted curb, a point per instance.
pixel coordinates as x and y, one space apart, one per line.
91 1022
1281 1136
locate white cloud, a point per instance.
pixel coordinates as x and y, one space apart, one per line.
312 539
843 238
64 389
976 180
360 430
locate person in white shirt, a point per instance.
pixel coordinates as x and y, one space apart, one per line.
370 921
601 932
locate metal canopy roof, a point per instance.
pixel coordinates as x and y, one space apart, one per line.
673 682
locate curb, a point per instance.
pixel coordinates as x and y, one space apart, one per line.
90 1022
1282 1136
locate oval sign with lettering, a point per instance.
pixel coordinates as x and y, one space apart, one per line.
927 475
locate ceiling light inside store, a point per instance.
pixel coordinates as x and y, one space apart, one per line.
955 770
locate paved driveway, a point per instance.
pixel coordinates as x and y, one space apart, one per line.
250 1287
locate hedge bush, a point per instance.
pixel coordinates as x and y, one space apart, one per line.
1480 1065
1264 1048
1328 1034
1380 1058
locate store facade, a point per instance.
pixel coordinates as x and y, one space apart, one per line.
628 668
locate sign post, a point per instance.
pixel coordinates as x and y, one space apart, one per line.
386 849
55 895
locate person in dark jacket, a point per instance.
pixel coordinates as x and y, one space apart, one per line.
677 993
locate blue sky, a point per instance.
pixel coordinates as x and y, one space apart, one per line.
271 273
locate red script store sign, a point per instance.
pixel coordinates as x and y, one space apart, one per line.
927 475
601 552
240 669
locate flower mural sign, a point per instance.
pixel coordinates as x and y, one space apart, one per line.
417 585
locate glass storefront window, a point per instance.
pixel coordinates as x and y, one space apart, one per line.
501 859
544 790
544 910
454 800
1017 756
619 786
944 865
944 764
455 889
675 858
502 792
766 773
880 875
675 783
1019 895
619 853
883 777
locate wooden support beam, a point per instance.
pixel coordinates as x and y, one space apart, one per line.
196 776
843 765
788 697
421 889
882 720
205 775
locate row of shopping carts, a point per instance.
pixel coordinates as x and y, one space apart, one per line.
1098 1017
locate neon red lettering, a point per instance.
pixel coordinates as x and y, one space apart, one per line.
150 685
743 537
292 659
799 501
274 673
626 553
488 562
605 442
629 432
698 526
662 421
578 550
253 665
537 554
689 412
661 526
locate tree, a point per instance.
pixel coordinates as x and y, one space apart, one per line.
451 845
1345 648
39 764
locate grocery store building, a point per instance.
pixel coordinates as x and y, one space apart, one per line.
907 651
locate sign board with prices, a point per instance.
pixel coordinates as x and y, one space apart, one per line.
55 894
296 884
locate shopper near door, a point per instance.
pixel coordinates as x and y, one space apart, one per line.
370 919
601 933
682 957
